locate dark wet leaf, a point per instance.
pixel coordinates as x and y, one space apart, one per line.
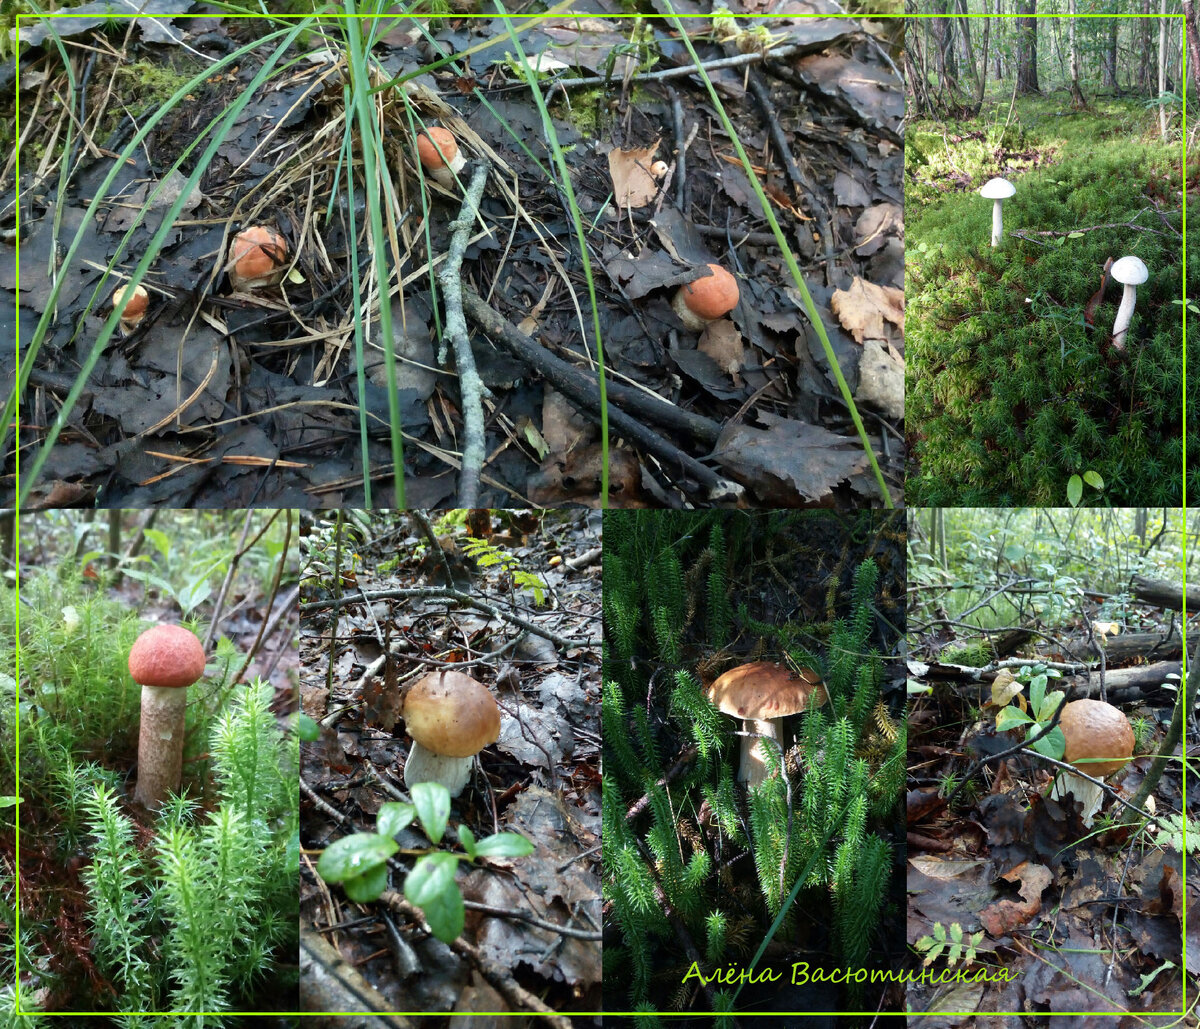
152 20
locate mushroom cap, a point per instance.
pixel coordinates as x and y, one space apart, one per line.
257 256
658 169
428 152
997 189
166 655
1130 271
762 690
137 303
712 296
1095 729
451 714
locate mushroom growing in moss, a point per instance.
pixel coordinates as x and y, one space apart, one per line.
1131 273
997 190
164 661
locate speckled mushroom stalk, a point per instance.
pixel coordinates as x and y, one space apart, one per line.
164 660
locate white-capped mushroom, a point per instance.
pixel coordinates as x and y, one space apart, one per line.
997 191
1131 273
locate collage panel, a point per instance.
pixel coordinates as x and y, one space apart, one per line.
1045 282
149 803
593 253
754 745
450 770
1050 809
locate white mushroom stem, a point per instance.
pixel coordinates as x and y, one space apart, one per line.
1124 315
756 766
160 744
423 765
1088 793
997 221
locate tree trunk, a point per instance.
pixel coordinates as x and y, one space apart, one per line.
1077 100
1110 57
1027 80
1144 52
1193 40
1162 70
964 27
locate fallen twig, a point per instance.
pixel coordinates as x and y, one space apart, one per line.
470 385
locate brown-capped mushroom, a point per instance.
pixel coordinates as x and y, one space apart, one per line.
450 717
706 299
257 258
762 694
164 661
1099 742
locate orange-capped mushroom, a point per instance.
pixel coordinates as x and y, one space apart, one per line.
440 155
135 309
706 299
257 258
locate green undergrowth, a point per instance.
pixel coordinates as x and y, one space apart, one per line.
1009 392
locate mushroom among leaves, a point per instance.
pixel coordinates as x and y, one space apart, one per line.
257 258
450 717
706 299
1099 742
135 309
164 661
762 694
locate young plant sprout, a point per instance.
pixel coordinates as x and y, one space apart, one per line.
450 717
762 694
1099 742
706 299
164 661
1131 273
440 155
258 258
135 310
997 190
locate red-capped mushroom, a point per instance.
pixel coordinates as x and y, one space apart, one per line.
164 661
257 258
135 309
440 155
706 299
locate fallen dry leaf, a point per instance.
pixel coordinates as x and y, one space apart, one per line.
881 379
723 343
864 307
633 185
874 225
789 463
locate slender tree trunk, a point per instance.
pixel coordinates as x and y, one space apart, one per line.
1193 40
1143 30
1162 69
1027 78
1110 60
983 64
1077 100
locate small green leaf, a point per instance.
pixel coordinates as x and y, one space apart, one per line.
1014 552
1049 705
353 855
431 886
433 808
1074 490
1094 479
307 729
362 889
1074 235
1053 744
393 817
467 839
1010 717
504 844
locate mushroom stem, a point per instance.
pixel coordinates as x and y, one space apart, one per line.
997 221
423 765
754 768
160 744
1124 315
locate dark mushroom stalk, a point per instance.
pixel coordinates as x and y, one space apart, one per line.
164 661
